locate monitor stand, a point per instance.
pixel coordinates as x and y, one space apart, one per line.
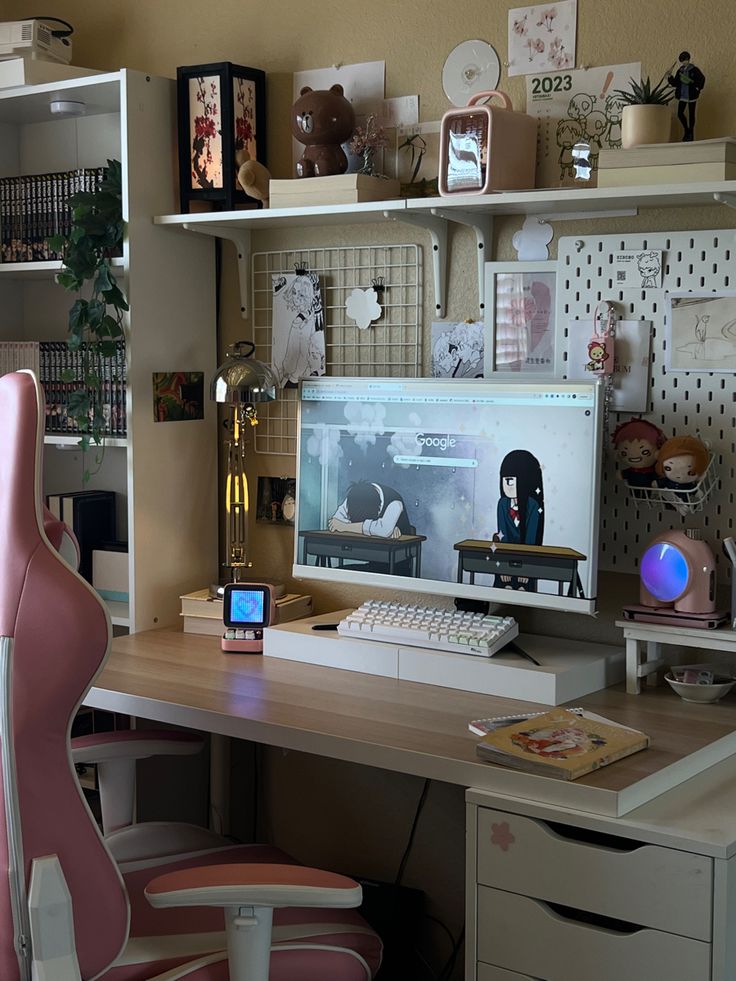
482 606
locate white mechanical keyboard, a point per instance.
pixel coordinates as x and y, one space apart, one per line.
427 626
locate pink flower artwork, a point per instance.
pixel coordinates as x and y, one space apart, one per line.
204 129
501 836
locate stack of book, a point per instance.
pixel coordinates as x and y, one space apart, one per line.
335 189
91 516
559 743
36 207
201 614
61 374
668 163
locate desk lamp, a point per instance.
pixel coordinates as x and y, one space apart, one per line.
240 382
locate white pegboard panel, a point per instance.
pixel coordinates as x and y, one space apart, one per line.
681 403
390 347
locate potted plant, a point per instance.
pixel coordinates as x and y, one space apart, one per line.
96 316
646 117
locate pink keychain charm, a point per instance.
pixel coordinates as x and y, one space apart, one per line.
600 345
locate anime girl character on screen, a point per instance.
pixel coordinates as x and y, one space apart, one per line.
520 511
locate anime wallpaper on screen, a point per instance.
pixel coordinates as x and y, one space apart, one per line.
473 489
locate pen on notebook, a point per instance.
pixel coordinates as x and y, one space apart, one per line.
324 626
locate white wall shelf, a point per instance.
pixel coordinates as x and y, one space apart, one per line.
63 441
46 269
434 214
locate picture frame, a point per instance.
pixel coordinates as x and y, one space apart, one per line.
221 110
522 334
700 331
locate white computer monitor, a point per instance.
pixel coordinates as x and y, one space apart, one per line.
468 488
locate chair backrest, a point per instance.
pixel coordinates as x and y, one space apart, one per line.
54 638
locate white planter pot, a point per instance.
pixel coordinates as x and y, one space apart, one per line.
645 124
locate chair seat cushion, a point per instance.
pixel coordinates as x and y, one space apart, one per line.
307 944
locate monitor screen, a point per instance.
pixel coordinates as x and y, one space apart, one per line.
245 606
469 488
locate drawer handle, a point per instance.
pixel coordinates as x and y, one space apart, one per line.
596 838
592 919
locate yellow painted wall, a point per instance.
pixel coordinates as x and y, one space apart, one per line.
374 810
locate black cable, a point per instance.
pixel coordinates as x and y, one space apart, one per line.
446 972
56 20
410 842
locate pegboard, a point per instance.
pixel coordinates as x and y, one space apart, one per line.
390 347
680 403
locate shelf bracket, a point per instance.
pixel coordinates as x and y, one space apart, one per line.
241 239
727 199
483 227
437 228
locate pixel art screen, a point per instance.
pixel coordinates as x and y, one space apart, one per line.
247 606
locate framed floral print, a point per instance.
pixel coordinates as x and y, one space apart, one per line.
521 332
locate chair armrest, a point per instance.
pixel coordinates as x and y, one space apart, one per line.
254 885
115 755
134 744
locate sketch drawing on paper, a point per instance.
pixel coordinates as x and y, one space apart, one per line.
298 339
457 350
702 332
650 266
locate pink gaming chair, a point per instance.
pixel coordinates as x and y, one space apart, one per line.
68 910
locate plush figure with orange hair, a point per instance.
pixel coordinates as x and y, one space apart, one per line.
681 463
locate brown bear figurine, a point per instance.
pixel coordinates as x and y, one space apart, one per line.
322 120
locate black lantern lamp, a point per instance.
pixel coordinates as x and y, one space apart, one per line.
222 123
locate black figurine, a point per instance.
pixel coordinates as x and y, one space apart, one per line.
688 84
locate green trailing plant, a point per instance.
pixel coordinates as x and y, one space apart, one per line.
644 94
96 316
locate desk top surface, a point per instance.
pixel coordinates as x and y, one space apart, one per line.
356 536
185 679
474 544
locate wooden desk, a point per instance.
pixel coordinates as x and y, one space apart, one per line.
349 546
526 561
678 854
185 679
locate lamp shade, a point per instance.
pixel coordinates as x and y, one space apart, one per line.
222 122
241 379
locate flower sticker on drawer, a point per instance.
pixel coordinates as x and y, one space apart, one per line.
501 836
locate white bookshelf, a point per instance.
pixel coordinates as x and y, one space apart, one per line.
164 474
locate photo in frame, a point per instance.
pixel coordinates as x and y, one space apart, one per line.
521 333
701 331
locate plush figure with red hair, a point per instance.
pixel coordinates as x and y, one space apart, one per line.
637 443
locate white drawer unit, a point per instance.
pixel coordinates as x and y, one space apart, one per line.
557 894
487 972
612 876
557 944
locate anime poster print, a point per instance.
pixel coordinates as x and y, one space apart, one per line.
577 106
457 349
205 121
298 338
178 395
542 37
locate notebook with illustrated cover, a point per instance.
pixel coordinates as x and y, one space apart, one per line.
560 744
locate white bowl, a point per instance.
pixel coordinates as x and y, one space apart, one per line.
700 693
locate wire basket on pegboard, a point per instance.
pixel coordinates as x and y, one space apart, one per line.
685 502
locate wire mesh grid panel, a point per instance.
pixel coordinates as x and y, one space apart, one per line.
389 346
680 402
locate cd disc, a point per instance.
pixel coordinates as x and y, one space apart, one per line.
473 66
